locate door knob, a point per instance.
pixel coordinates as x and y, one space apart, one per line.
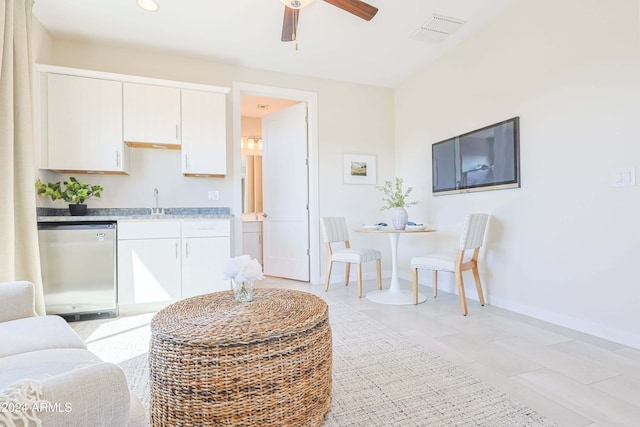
264 215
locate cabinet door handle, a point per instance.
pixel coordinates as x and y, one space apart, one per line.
186 250
176 250
117 158
177 132
186 161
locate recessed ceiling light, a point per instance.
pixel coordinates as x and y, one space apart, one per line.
148 5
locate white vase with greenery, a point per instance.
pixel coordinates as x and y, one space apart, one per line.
399 218
395 199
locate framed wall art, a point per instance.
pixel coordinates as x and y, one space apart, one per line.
359 169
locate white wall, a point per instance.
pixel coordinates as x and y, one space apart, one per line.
561 248
352 119
564 246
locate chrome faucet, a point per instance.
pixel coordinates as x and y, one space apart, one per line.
157 211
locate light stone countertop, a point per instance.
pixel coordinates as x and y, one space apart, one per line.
121 214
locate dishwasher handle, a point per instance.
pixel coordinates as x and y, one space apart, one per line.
76 226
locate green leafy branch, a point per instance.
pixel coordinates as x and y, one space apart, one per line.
394 195
74 190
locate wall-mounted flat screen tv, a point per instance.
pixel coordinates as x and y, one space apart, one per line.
484 159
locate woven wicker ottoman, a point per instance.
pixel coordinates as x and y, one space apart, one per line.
214 361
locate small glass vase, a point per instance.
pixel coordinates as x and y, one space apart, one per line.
242 291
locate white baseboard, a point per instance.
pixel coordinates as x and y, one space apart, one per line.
579 325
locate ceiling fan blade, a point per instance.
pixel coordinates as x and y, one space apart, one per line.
356 7
290 24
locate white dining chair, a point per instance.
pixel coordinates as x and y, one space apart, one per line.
471 239
334 232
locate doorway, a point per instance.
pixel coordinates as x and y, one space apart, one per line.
271 99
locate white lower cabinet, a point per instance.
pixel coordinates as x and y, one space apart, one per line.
161 261
252 239
148 271
149 262
206 247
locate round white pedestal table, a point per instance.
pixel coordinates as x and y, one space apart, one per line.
394 295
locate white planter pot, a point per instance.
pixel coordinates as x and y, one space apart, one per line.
399 218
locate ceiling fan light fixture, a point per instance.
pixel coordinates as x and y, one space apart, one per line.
148 5
297 4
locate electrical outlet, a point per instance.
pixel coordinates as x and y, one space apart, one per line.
214 194
623 177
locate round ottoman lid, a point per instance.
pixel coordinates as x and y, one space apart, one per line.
217 319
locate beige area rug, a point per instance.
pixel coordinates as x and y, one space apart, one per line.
380 378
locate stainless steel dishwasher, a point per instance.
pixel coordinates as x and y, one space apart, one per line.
78 262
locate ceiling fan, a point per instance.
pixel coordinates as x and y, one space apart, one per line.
292 11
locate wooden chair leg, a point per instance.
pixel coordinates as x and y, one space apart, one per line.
434 280
359 280
463 298
476 277
347 272
326 284
414 276
379 270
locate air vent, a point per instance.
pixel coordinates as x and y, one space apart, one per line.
437 28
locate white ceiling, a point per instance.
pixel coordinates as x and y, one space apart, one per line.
332 43
258 106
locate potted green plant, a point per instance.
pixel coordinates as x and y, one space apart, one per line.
73 191
395 199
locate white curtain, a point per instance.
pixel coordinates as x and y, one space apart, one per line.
19 256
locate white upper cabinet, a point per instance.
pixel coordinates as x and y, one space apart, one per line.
151 115
88 120
204 137
84 125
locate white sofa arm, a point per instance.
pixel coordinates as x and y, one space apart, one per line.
17 300
94 395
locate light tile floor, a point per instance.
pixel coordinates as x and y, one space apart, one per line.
570 377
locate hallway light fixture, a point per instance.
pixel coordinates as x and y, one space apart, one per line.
148 5
297 4
251 144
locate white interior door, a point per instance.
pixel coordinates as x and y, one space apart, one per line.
286 193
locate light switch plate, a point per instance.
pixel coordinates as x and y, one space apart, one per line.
623 177
214 194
